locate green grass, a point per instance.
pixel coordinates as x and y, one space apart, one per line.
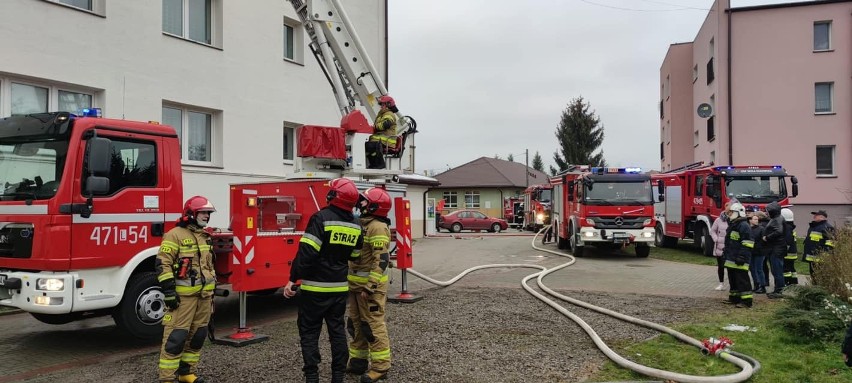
782 360
687 253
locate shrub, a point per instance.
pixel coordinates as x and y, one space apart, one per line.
811 316
834 271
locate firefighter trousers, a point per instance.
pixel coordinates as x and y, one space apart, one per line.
184 332
314 308
740 281
790 276
371 332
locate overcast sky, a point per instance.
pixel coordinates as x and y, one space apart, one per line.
492 77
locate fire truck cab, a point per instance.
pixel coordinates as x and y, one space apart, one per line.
537 200
603 207
696 195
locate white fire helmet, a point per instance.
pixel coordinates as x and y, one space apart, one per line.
787 214
737 210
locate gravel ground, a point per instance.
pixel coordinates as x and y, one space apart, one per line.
453 335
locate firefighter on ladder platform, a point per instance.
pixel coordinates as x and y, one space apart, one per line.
384 133
368 289
330 241
187 278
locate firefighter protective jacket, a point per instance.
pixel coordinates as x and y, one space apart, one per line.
790 238
192 244
369 272
385 128
738 244
820 238
332 238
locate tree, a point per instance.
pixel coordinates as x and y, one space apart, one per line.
538 164
497 157
580 134
511 158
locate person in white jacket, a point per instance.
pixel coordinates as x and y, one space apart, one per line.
717 231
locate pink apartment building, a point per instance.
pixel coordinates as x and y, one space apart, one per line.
779 81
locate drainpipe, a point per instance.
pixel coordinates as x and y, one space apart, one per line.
730 94
502 206
425 196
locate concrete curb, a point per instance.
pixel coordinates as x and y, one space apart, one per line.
10 312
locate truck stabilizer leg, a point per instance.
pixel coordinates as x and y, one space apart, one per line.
244 335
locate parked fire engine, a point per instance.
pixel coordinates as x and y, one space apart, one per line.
603 207
513 211
88 199
537 206
695 195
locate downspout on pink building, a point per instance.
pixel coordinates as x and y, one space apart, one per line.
778 80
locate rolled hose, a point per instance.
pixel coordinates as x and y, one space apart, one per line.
747 364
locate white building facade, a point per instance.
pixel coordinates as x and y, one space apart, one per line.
235 78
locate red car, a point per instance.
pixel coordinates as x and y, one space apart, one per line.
471 220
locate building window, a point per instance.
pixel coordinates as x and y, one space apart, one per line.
451 200
293 38
662 112
710 74
97 7
662 151
822 36
712 157
712 47
695 73
28 98
668 87
824 92
289 140
195 131
190 19
711 128
825 160
695 139
471 199
82 4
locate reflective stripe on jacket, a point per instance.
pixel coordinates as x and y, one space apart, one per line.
820 238
193 243
331 239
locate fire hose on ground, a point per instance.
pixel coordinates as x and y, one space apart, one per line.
747 364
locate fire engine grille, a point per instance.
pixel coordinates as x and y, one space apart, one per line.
619 222
16 240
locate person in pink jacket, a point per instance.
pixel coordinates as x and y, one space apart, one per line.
717 231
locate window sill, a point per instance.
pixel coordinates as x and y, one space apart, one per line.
826 176
711 139
196 164
287 162
823 50
694 80
292 61
192 41
824 113
91 12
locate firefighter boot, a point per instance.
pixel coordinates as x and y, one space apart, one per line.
338 376
191 378
312 377
357 366
373 376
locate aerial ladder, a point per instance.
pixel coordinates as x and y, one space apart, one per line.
355 82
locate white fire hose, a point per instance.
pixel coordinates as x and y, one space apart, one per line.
747 364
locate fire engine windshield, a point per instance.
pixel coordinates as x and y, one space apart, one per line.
619 193
31 170
544 195
756 189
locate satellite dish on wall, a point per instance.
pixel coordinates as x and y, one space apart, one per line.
705 110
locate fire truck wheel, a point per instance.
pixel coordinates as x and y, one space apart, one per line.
662 240
457 227
576 250
643 251
702 240
141 309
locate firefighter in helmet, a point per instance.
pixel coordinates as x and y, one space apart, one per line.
368 288
737 252
187 278
332 238
384 133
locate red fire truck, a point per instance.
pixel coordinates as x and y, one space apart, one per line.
603 207
537 200
513 211
88 199
695 195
